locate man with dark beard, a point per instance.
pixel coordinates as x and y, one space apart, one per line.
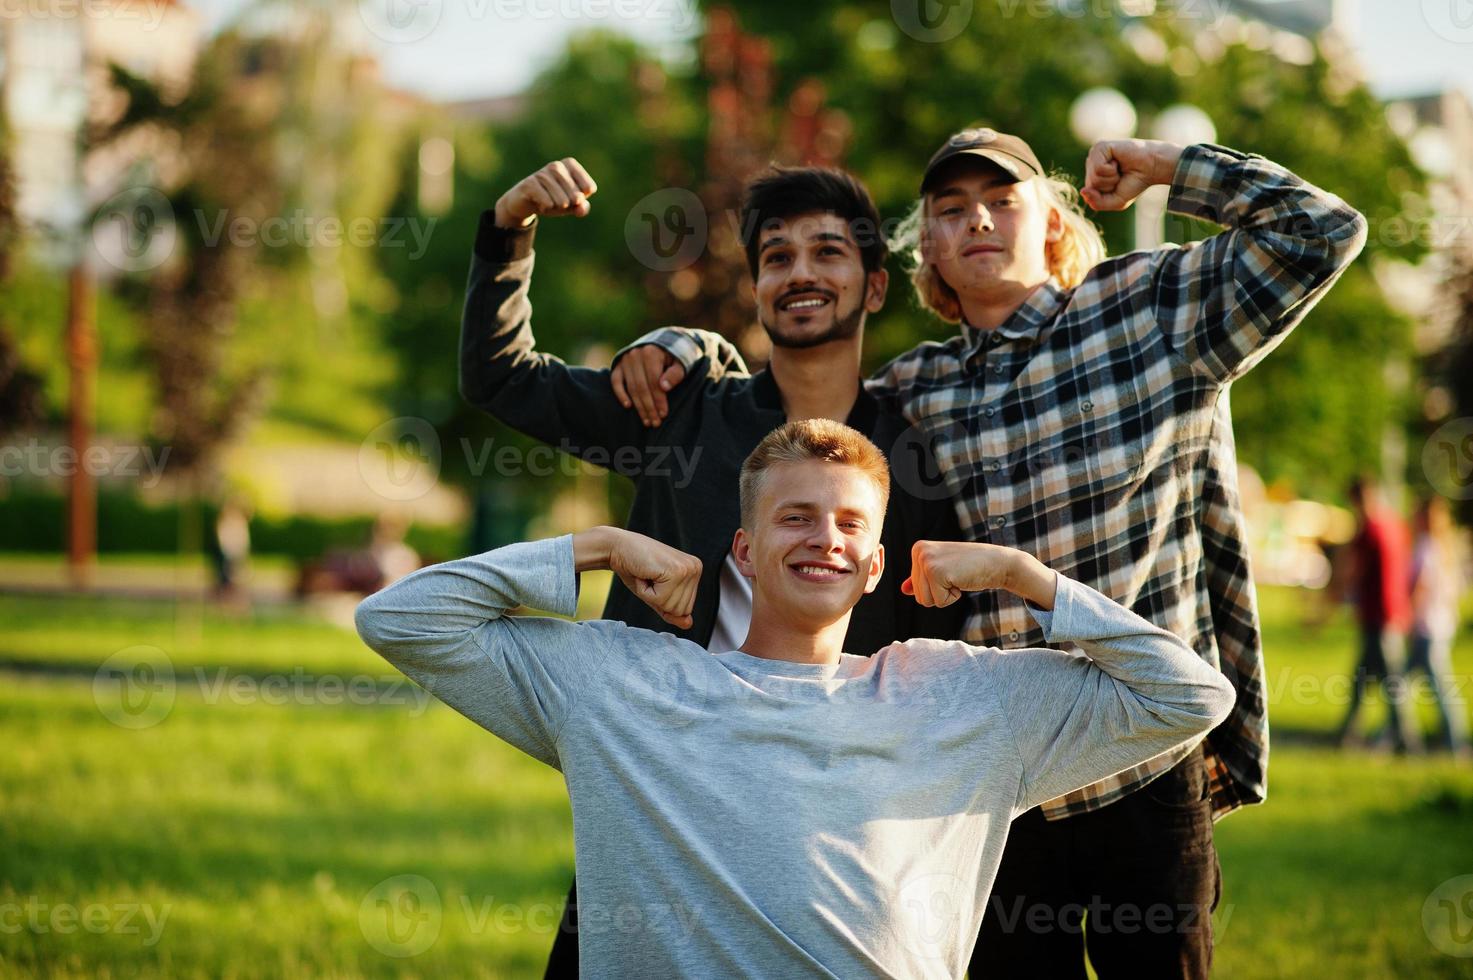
817 259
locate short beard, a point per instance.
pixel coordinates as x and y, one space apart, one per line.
844 328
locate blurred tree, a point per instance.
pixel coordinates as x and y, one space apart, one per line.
280 150
21 403
1450 369
636 127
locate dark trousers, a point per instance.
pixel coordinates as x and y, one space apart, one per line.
1135 882
562 963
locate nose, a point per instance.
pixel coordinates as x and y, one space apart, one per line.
981 218
801 271
826 537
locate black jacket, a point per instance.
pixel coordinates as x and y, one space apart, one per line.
685 472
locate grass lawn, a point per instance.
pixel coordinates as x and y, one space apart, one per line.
260 826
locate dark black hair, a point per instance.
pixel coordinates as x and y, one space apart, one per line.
780 193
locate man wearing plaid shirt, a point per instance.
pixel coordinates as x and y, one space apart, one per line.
1081 415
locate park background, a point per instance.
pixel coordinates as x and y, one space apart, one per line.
233 242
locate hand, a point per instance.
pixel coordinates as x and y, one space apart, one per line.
642 376
941 571
663 578
1118 171
561 187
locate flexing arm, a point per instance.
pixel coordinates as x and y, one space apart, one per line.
1226 302
446 626
501 371
1139 691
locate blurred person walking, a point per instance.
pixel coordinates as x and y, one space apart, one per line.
1379 591
1436 585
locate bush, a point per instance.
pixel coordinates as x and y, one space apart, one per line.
32 521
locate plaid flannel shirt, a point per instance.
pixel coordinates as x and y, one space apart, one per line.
1093 430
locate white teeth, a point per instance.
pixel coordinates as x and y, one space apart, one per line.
819 569
804 304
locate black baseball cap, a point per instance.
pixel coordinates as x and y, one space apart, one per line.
1010 153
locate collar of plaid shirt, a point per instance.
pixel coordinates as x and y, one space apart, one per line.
1042 305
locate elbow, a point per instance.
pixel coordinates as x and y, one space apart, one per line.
470 387
1224 700
370 622
1349 239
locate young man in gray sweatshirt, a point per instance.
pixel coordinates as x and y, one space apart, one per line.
787 809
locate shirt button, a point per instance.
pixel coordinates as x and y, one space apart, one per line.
995 339
1088 405
995 466
999 521
1013 636
990 411
997 369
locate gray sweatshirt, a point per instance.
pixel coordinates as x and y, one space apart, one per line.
737 816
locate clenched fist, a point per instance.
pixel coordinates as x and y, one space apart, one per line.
1118 171
561 187
941 571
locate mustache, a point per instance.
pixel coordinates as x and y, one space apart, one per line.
825 293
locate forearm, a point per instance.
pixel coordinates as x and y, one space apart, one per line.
688 346
1224 303
592 548
1293 218
432 611
1033 581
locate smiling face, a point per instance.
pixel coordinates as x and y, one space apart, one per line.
986 232
811 287
812 542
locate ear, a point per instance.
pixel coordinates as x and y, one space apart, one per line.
877 284
876 569
741 550
1055 226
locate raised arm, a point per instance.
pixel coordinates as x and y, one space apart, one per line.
1139 691
1226 302
501 371
446 627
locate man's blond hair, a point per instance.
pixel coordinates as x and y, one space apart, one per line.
1079 249
823 440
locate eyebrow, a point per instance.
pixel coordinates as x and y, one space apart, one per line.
823 236
810 506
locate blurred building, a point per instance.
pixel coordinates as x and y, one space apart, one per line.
54 82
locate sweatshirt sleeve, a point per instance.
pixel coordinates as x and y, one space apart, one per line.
447 628
1137 691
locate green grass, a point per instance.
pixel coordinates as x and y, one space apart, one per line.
261 833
